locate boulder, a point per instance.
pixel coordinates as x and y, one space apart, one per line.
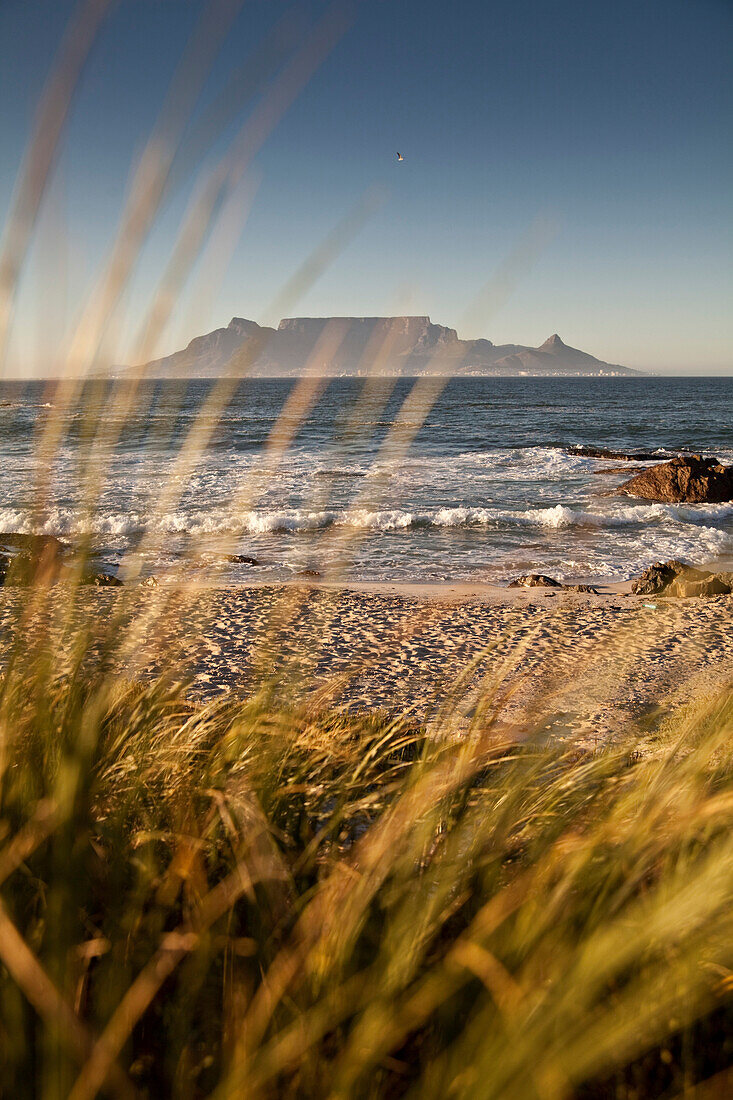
241 559
713 585
581 588
657 577
688 479
534 580
674 578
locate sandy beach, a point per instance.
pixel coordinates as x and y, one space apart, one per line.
587 663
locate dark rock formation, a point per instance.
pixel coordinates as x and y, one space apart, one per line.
534 580
241 559
34 544
29 558
620 456
620 470
45 559
674 578
657 577
539 580
691 479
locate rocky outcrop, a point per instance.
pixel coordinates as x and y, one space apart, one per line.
607 470
45 559
619 456
539 580
674 578
26 559
534 580
657 577
712 584
689 479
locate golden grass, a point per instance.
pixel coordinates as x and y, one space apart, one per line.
254 898
265 898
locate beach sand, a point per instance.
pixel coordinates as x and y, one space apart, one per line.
585 663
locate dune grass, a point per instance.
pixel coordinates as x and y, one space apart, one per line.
257 898
261 896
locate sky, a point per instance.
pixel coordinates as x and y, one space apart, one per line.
568 167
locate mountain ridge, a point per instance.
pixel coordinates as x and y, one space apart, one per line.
352 346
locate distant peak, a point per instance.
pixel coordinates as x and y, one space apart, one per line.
242 325
553 341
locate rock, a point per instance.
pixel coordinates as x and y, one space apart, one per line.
30 558
27 568
657 577
534 580
606 452
102 580
44 559
241 559
581 588
714 585
149 582
308 573
620 469
674 578
691 479
34 544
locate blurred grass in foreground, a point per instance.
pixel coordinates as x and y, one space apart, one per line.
254 898
265 899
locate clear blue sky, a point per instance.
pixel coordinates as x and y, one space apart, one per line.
613 121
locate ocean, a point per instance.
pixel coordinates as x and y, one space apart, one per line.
487 488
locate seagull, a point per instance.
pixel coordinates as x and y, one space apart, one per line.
400 157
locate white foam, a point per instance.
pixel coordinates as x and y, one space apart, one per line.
67 521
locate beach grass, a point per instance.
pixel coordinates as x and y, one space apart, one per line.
266 895
260 897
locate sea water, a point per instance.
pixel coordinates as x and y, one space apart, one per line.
486 487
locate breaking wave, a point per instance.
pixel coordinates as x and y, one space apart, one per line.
62 521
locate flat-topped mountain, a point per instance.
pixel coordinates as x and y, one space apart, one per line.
343 346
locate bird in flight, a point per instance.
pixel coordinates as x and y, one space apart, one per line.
400 157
